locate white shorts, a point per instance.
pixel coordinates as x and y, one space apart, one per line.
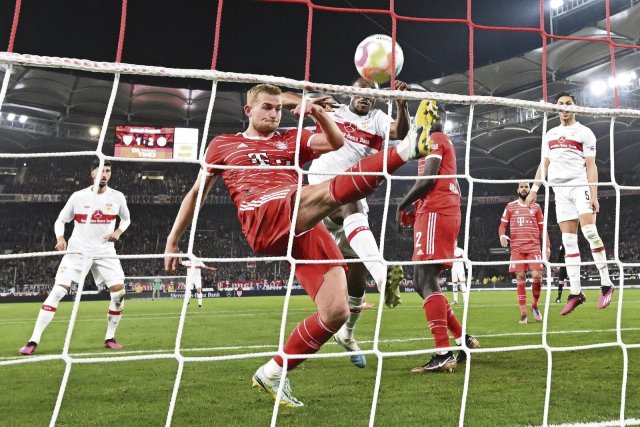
457 272
107 271
195 283
571 202
337 231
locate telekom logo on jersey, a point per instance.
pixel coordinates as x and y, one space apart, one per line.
97 217
263 159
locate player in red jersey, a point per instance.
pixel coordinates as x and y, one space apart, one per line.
265 200
435 232
525 228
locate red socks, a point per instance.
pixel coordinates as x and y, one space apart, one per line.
535 291
522 295
436 309
453 324
306 338
349 188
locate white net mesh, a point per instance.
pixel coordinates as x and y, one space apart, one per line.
376 351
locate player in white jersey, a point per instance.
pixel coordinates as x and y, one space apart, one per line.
569 159
458 277
194 278
364 128
94 234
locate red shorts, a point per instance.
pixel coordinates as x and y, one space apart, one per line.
267 226
529 256
435 237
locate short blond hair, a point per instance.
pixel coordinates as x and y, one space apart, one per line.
262 88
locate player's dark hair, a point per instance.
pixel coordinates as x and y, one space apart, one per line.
438 126
361 81
561 94
96 163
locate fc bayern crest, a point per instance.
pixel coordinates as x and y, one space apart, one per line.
282 145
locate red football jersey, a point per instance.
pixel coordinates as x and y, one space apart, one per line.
444 196
525 226
248 186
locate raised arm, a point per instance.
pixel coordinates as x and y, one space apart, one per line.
331 138
184 218
420 189
400 127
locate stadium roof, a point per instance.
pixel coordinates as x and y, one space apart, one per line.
62 104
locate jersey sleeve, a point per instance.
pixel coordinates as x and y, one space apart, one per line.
438 145
383 122
504 222
67 214
306 153
545 146
125 216
213 156
540 219
589 143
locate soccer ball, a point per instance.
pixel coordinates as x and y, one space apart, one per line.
373 58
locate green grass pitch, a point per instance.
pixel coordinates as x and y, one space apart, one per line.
505 388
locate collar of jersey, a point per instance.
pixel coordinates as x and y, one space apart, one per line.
258 138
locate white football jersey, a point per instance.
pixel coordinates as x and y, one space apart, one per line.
95 218
363 136
196 272
566 148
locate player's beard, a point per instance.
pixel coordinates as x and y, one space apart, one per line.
523 195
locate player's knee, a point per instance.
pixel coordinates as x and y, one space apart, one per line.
570 242
57 293
117 295
590 232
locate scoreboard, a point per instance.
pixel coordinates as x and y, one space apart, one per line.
151 142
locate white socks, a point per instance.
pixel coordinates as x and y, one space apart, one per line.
47 311
355 309
272 370
361 240
590 232
199 295
115 313
572 257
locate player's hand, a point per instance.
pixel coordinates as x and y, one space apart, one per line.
171 263
61 244
400 85
328 103
310 109
595 205
113 237
531 198
404 220
504 241
548 253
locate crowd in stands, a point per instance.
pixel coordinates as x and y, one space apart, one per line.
28 227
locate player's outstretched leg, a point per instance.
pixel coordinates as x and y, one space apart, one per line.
454 288
361 240
456 331
116 306
45 316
